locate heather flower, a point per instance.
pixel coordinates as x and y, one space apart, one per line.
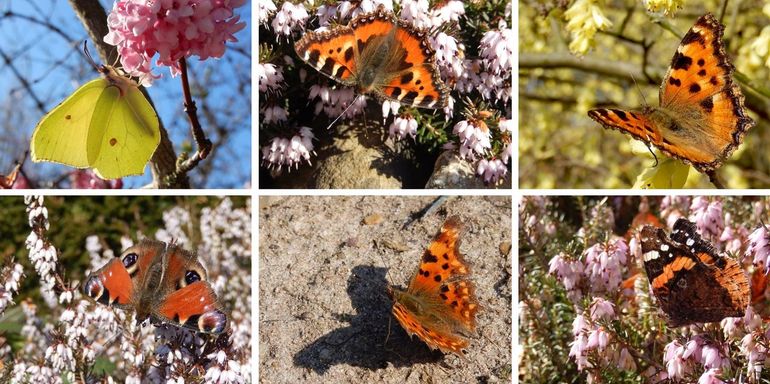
598 339
759 247
334 101
626 361
496 49
584 19
291 17
676 366
506 125
273 114
708 217
388 107
449 55
507 153
604 265
474 138
171 29
602 309
416 12
289 152
403 126
270 77
492 170
450 11
265 8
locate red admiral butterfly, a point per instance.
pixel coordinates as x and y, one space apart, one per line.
692 282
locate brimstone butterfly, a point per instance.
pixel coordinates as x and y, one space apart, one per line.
107 125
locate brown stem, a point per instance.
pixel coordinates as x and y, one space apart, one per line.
204 144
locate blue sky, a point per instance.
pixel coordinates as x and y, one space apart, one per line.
41 63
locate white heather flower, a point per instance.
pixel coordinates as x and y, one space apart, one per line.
389 106
416 12
667 7
506 125
289 152
334 101
449 55
451 11
270 77
273 114
473 140
265 8
325 13
584 19
403 126
497 49
289 18
491 170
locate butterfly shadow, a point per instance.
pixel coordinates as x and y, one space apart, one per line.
362 343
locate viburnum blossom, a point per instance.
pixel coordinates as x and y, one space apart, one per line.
289 152
172 29
87 179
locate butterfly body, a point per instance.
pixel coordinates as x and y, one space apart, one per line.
159 281
701 119
692 282
380 55
440 305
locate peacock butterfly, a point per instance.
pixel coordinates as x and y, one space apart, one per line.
161 281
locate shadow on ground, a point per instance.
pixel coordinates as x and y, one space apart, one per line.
362 342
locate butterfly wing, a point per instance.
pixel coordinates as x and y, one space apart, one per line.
700 92
60 136
440 304
692 287
107 125
414 77
331 52
119 282
635 123
184 296
124 131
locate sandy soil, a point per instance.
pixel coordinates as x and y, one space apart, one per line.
324 314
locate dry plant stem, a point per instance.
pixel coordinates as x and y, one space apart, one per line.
204 144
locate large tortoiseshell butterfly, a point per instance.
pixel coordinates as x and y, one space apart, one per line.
161 281
381 55
440 305
701 119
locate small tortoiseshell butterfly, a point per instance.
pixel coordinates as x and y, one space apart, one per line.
701 119
692 282
440 305
160 281
380 55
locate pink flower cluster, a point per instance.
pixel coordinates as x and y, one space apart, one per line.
173 29
289 152
707 215
681 360
591 337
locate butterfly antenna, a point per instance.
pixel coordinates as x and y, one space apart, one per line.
343 112
644 100
88 55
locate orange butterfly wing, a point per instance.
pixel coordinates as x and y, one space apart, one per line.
439 305
701 119
378 54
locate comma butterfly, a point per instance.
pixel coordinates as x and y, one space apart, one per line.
160 281
381 55
701 119
440 305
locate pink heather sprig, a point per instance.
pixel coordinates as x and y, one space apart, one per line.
674 207
449 56
334 101
569 272
733 238
707 215
604 264
172 29
759 247
416 12
496 49
492 170
273 114
451 11
289 152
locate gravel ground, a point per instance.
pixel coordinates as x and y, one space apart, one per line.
323 272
